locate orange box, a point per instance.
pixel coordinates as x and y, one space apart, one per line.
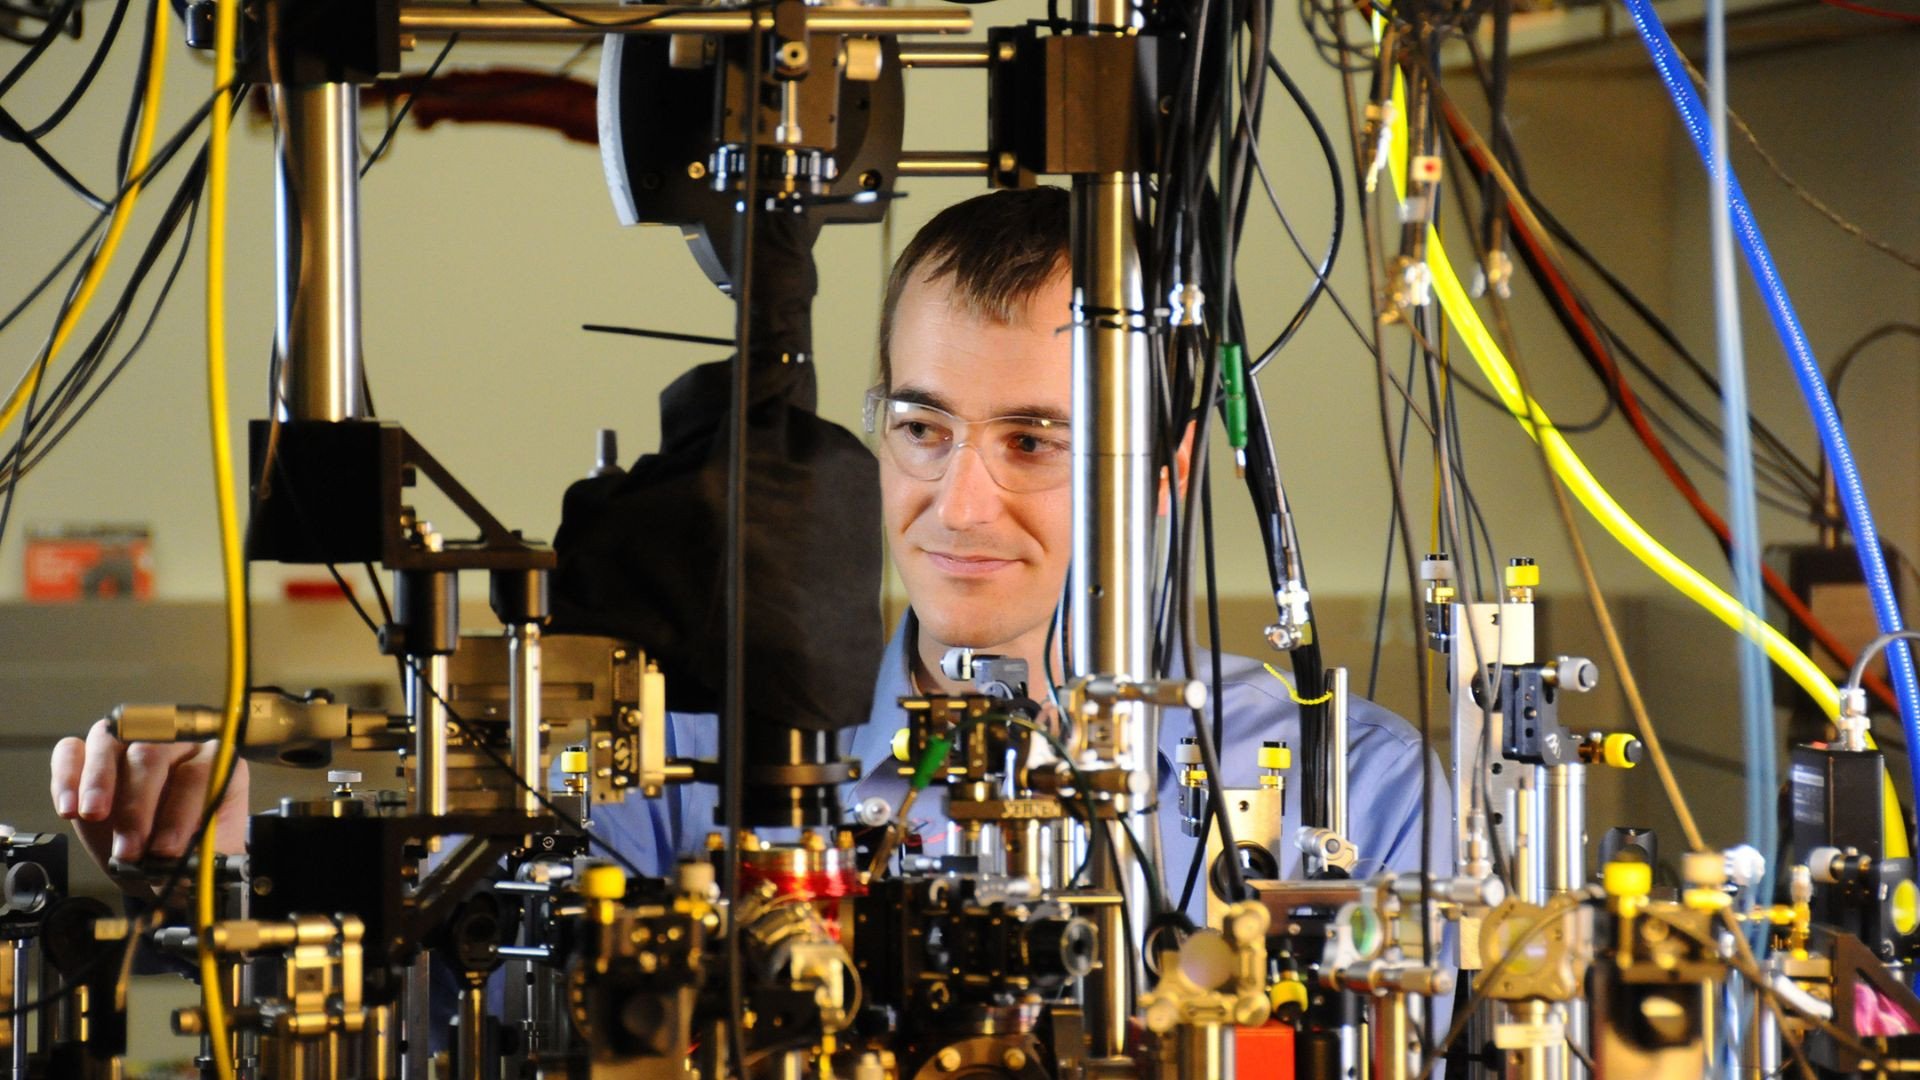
100 562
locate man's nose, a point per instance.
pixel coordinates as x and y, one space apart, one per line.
968 494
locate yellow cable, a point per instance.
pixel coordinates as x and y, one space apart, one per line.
1581 482
226 18
102 258
1295 694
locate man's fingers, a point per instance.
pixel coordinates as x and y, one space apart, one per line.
69 754
180 807
143 781
100 773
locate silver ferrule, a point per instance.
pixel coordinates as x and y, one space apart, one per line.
317 279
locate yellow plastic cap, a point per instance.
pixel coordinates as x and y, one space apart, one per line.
1615 748
573 762
1276 757
1906 907
1287 992
1624 878
902 744
603 883
1523 577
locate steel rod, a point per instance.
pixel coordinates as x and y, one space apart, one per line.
317 279
585 22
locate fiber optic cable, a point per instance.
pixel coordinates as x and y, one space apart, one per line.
212 987
1573 472
1743 550
1826 419
102 259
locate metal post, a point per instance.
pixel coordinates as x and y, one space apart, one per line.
317 210
470 1055
1113 513
416 1021
1760 1051
426 690
1206 1051
1337 819
523 677
1391 1037
1566 871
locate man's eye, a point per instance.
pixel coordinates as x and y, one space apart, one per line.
1028 444
920 431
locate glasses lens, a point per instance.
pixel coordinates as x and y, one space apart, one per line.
1022 454
920 439
1028 454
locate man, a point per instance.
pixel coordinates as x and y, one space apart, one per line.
969 422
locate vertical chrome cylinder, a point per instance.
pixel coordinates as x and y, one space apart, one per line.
1566 871
1113 512
1337 818
523 722
416 1013
1530 835
1392 1037
1760 1032
470 1055
1206 1051
377 1045
1543 1058
426 694
317 208
1566 828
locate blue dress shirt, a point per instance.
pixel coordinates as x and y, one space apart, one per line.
1384 787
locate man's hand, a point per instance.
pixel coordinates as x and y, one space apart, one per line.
144 800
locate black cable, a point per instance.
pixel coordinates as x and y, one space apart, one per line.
79 90
41 451
158 162
75 381
1839 370
1325 268
400 115
1386 568
733 741
57 21
11 131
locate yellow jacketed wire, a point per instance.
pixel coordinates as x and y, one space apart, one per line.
1295 694
102 258
226 17
1581 482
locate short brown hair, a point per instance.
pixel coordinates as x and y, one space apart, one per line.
999 248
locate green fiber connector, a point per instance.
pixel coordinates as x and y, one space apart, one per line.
1233 376
931 761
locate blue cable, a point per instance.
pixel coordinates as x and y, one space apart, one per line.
1756 684
1813 386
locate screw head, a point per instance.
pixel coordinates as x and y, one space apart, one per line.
344 776
948 1059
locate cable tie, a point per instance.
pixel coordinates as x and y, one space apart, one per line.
1295 694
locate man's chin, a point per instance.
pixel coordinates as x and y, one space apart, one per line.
966 633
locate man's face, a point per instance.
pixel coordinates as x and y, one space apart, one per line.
983 566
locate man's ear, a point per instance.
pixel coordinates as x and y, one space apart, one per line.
1182 468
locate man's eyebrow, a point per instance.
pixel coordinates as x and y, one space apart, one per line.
1038 412
915 396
